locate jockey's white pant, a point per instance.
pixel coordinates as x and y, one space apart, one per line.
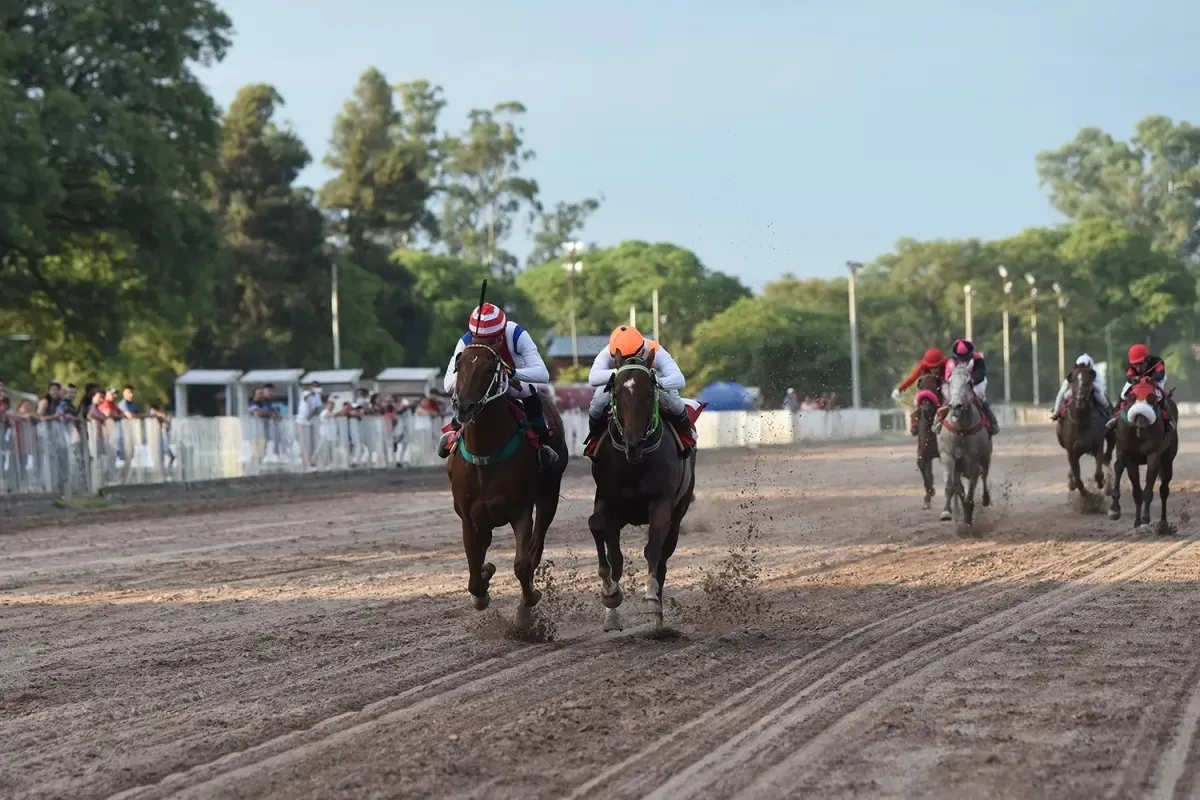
980 390
668 400
1097 393
1162 387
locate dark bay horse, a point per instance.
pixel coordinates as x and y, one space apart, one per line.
966 445
1082 431
1143 438
495 478
928 399
640 480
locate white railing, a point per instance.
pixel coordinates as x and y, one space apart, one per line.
63 459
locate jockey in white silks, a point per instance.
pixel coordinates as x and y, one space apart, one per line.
517 349
1098 394
628 341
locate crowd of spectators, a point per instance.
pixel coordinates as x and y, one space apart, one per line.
819 402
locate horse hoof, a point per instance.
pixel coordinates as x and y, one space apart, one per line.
652 606
524 620
987 500
927 504
613 621
656 622
1114 515
481 603
946 516
613 600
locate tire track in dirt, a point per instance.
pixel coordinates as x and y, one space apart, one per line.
1178 759
867 695
777 687
202 780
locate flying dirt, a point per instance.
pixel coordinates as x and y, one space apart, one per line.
825 637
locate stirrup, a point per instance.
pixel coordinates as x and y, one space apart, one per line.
547 457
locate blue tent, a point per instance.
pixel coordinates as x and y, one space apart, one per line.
727 397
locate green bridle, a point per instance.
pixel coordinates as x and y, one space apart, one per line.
655 416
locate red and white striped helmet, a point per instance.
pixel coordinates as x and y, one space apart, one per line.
487 320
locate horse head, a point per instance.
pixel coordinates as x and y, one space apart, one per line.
929 393
635 403
1083 382
1144 411
961 395
480 379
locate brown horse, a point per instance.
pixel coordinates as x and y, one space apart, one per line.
495 478
1081 430
640 480
1143 437
929 397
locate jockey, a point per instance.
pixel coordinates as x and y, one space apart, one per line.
629 342
516 348
963 352
1144 365
932 363
1097 390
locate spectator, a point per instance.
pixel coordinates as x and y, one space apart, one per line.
85 407
791 402
167 450
307 415
47 408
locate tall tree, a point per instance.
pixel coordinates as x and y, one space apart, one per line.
273 272
1151 184
105 137
486 190
384 176
558 226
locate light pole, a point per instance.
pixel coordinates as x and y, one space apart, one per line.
968 293
654 311
572 267
338 240
855 389
1033 293
1062 332
1007 350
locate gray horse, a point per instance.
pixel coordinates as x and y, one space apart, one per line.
965 443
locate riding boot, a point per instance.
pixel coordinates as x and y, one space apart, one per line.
993 425
533 409
443 448
683 424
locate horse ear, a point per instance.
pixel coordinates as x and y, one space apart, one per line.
620 357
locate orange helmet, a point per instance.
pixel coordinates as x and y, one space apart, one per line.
627 341
1138 353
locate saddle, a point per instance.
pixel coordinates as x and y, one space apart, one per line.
683 442
525 428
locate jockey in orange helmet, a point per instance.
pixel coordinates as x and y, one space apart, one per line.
932 363
488 325
1144 365
628 341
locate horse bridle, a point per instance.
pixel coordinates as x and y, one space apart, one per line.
497 388
1076 386
655 416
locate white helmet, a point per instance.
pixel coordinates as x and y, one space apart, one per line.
1085 361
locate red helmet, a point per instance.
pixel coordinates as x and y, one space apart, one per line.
932 357
963 349
487 321
1138 353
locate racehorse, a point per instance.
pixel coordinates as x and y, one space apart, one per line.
495 478
1082 431
1144 438
965 443
928 400
640 480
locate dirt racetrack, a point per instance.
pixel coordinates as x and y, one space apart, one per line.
829 639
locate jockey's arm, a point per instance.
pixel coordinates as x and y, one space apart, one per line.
979 373
530 368
449 382
670 377
911 379
602 370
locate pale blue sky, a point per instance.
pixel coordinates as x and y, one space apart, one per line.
766 135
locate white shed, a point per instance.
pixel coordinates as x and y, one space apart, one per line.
207 377
285 381
408 382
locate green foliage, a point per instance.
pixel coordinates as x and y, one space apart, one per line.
559 226
774 346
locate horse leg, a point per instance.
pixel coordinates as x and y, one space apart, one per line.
668 549
476 542
1098 477
1152 470
1135 486
950 471
1075 477
985 467
1114 508
610 565
524 564
661 522
1167 471
926 468
969 498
